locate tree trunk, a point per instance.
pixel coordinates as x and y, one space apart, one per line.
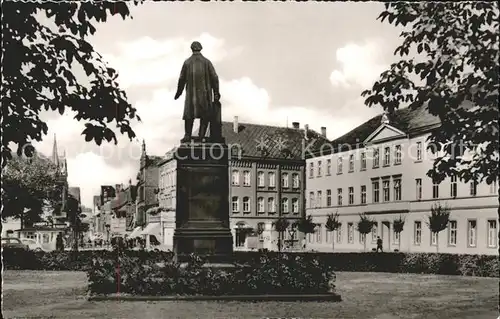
364 242
333 241
437 242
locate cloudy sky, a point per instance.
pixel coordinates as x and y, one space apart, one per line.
305 62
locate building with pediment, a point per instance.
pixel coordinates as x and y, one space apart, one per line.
379 169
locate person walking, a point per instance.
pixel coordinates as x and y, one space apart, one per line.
379 244
59 242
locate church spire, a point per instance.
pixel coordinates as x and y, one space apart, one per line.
55 154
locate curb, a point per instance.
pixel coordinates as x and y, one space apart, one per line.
316 297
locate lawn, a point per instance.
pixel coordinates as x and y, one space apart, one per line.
365 295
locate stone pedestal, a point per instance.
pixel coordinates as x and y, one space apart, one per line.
202 206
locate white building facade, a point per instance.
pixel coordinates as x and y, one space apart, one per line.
384 177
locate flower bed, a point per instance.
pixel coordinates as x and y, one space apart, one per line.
267 275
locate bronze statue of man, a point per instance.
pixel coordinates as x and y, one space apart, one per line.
199 78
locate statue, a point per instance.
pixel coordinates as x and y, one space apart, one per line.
202 102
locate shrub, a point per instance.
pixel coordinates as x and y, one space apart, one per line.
266 275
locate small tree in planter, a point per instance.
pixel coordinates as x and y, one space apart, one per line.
281 225
365 226
332 224
305 225
438 220
398 226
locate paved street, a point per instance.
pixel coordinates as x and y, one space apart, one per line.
366 295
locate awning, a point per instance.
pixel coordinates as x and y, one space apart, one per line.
135 233
152 229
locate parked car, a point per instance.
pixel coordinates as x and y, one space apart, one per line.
13 244
32 244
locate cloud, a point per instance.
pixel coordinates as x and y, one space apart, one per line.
360 64
146 61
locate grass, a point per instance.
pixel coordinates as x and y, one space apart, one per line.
365 295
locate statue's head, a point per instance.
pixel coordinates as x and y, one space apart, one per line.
196 46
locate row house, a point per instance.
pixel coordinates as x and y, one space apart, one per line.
380 169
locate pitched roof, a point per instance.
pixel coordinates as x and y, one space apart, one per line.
249 136
411 121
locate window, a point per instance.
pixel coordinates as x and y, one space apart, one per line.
435 190
235 178
295 205
397 155
363 194
453 187
328 234
271 205
272 179
473 188
319 201
339 165
376 158
309 238
471 232
386 190
395 237
363 161
319 168
374 232
260 179
350 233
452 233
387 156
351 163
417 233
418 183
419 151
235 204
397 189
492 233
284 206
328 167
260 204
494 188
311 170
30 235
433 239
376 192
339 196
311 200
246 178
246 204
318 233
351 195
260 231
240 237
339 234
328 197
295 181
284 180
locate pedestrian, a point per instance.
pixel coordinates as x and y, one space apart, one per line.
59 242
379 244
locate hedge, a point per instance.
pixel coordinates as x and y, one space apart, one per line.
266 275
426 263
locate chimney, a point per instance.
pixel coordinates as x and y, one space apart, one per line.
323 131
306 131
235 125
296 125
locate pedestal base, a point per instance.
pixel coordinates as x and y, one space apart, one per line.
202 208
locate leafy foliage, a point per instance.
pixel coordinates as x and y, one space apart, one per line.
365 224
39 65
306 225
398 224
332 222
28 187
457 51
439 218
281 224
